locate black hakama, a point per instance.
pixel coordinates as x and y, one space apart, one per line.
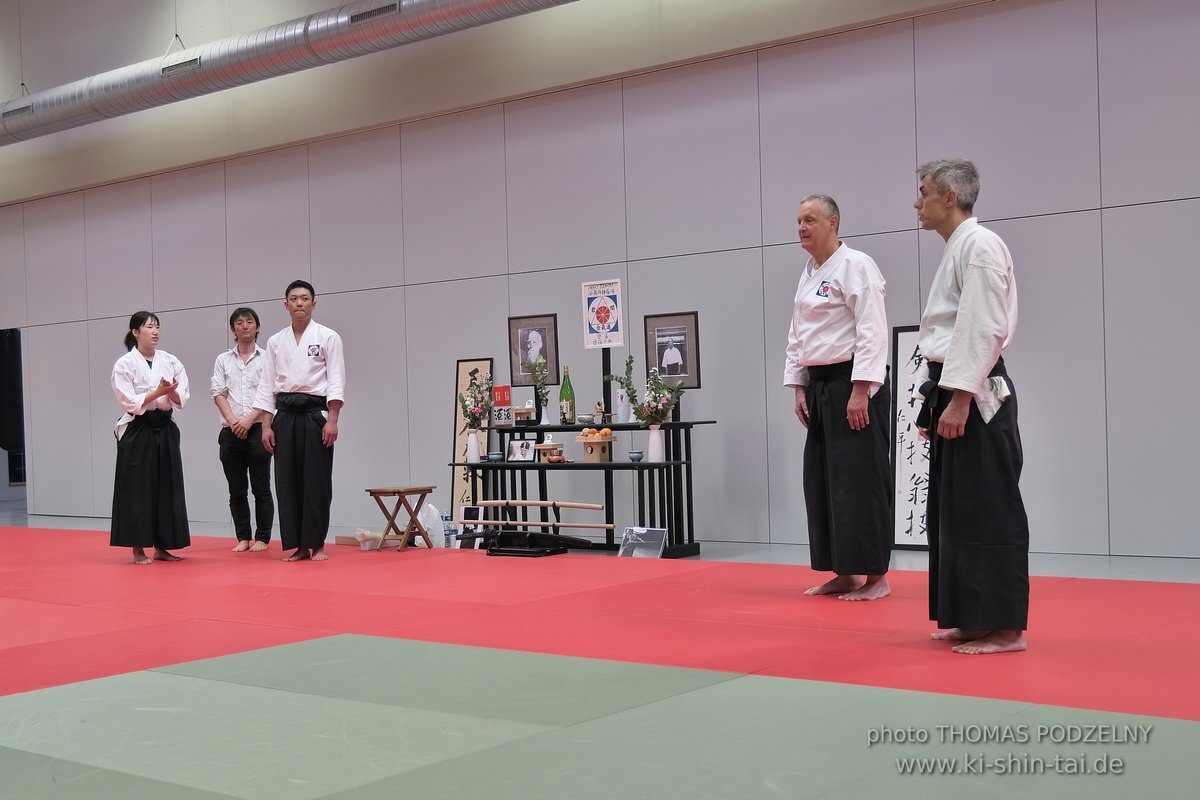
303 471
847 477
148 503
978 531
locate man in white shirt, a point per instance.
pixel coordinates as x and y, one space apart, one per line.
837 364
236 376
672 360
301 396
978 531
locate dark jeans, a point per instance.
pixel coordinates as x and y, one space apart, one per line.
241 458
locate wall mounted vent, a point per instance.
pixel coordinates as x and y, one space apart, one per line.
367 16
191 63
16 112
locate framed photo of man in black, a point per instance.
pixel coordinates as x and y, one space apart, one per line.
528 338
673 345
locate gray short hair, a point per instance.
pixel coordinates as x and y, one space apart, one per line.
953 173
828 204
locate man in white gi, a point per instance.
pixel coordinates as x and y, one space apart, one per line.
837 364
301 397
236 376
672 360
978 531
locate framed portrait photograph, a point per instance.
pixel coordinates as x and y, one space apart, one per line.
529 337
643 543
520 450
673 345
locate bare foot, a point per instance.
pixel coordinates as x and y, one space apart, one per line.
956 635
242 546
839 585
300 555
997 641
319 554
258 547
876 588
140 557
163 555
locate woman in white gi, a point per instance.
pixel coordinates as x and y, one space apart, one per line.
148 503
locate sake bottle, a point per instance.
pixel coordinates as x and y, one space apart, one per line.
566 398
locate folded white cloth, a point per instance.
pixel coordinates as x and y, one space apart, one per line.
993 394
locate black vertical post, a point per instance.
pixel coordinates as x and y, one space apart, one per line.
605 386
12 410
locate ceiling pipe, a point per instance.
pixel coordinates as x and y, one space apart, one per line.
339 34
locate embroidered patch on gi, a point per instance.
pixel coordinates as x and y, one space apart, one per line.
314 350
823 289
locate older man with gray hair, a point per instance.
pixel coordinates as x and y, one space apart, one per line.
837 365
978 531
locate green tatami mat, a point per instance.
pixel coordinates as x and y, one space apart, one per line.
30 776
776 738
242 741
354 717
475 681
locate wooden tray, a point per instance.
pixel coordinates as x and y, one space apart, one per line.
593 439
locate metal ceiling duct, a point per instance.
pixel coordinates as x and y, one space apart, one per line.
326 37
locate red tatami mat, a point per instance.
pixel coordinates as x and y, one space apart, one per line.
71 608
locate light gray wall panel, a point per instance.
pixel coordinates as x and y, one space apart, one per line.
838 119
1012 86
81 39
267 221
357 239
559 291
730 473
785 435
12 266
692 158
930 247
104 347
1054 357
373 437
59 457
120 271
1149 107
55 272
896 256
195 336
443 323
31 445
454 206
1149 330
189 237
566 178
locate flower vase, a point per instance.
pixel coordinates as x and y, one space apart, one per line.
624 410
654 452
472 446
545 420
